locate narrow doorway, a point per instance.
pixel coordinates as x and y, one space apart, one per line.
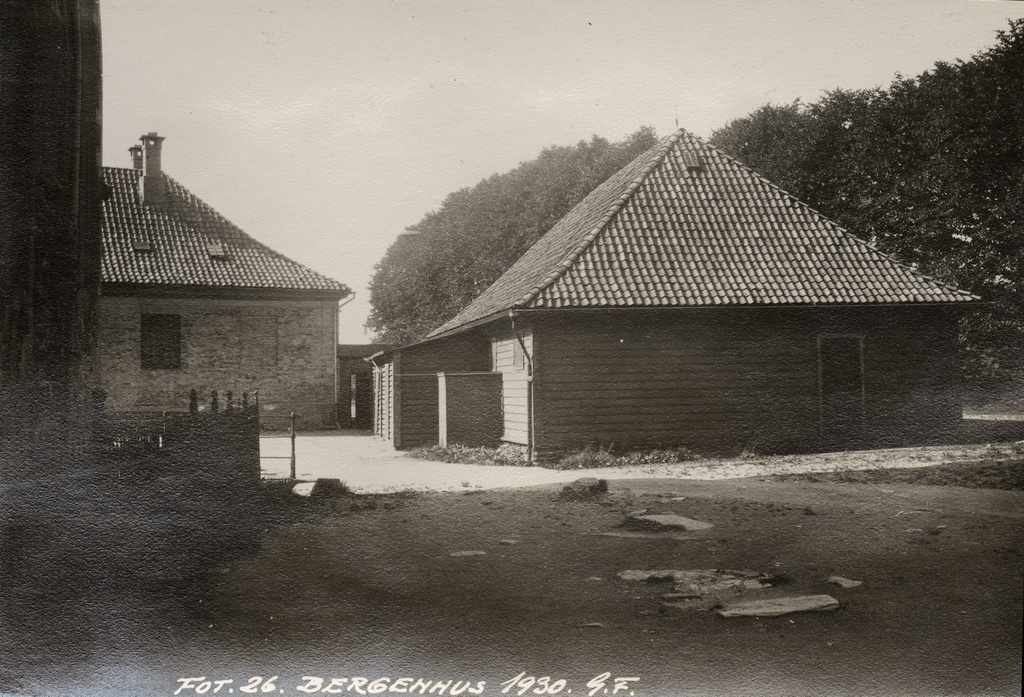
841 389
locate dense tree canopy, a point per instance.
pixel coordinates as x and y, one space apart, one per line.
453 254
931 170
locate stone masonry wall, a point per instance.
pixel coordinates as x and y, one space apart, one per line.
285 349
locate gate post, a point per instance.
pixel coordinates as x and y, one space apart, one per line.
291 432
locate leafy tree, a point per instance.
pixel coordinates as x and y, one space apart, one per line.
931 170
454 253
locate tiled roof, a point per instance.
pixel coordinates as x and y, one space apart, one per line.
663 233
179 234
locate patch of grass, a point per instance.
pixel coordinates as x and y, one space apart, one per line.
592 457
1007 475
588 458
506 455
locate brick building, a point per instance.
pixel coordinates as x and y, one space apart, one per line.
189 301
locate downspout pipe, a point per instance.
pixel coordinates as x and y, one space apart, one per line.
337 330
531 434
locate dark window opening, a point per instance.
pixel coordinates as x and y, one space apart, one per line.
161 342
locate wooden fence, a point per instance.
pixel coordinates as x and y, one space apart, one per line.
183 487
221 442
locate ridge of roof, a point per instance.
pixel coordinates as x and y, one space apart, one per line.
662 149
528 274
182 228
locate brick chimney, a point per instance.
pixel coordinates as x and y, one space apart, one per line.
136 152
152 187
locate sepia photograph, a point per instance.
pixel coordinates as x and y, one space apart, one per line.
494 347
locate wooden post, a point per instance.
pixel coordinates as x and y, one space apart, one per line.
214 402
292 434
193 402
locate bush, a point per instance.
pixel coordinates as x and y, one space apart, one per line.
511 455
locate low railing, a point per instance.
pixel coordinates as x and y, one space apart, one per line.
289 434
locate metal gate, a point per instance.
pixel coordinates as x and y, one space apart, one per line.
289 434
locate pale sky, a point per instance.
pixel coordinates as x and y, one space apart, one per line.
323 128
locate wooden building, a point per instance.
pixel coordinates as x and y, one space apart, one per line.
689 302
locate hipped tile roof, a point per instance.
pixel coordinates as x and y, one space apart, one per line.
181 232
661 233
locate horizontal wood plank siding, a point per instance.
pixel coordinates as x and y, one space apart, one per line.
726 379
418 366
419 410
515 386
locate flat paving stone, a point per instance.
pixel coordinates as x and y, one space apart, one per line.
664 522
669 534
773 607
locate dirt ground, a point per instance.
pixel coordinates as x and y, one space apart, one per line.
367 587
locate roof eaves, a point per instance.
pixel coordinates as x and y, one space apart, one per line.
562 267
458 329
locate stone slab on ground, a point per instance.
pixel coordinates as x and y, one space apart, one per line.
699 577
844 582
701 584
664 522
584 488
327 488
303 488
665 535
638 575
773 607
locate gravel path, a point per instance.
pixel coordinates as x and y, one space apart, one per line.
368 465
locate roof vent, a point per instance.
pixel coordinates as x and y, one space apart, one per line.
693 161
215 250
142 245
